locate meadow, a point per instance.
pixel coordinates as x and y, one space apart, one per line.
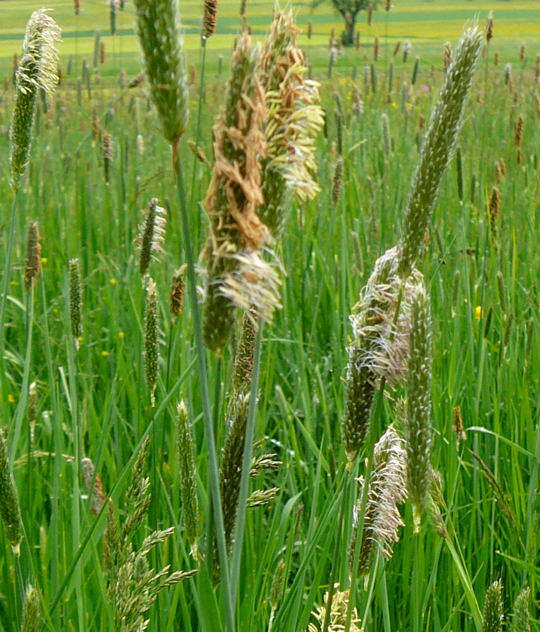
94 363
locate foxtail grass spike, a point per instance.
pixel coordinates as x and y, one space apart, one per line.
439 143
75 298
237 276
521 617
387 489
243 353
177 292
36 71
418 422
151 234
159 31
9 499
32 262
493 616
31 615
294 118
188 477
107 150
151 342
337 180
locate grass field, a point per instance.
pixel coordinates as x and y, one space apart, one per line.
90 397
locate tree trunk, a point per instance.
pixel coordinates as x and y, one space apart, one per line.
347 37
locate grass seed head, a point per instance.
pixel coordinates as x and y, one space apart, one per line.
209 18
521 617
32 262
339 613
151 340
9 499
294 119
418 418
75 298
151 234
94 492
36 71
493 608
177 292
159 31
439 144
387 489
31 615
188 476
237 275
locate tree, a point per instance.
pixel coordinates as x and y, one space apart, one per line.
349 10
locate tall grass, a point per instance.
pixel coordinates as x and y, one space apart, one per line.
91 396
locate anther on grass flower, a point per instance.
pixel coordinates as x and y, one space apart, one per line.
439 143
151 234
237 276
75 298
36 71
31 615
95 493
151 343
418 424
107 150
339 613
521 617
187 476
209 17
159 31
177 292
9 499
294 118
32 262
493 615
387 489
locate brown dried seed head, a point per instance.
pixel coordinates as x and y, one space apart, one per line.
177 293
96 494
457 424
209 17
488 31
518 133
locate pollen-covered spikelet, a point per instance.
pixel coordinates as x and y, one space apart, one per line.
36 72
159 31
236 273
32 261
380 343
294 118
151 234
440 141
151 342
387 489
188 476
493 615
339 613
418 416
177 292
9 499
75 298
